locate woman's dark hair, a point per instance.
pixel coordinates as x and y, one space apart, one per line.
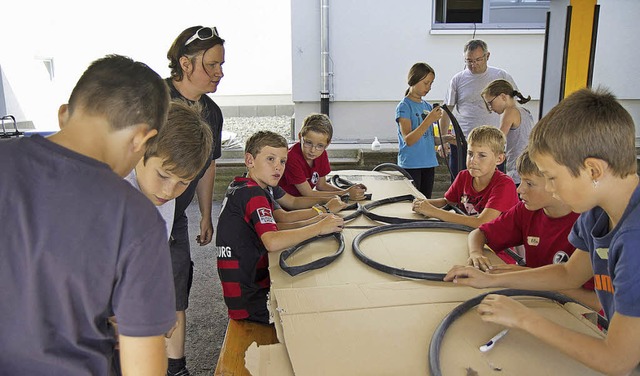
500 86
417 73
179 49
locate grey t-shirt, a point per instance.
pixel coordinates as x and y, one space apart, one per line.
79 244
517 140
167 210
464 95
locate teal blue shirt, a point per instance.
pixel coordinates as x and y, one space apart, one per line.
422 154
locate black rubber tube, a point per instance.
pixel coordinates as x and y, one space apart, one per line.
366 210
317 264
341 182
397 271
395 167
461 141
438 335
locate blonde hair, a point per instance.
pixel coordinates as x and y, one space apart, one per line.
587 124
319 123
486 135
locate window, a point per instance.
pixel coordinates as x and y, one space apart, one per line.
490 14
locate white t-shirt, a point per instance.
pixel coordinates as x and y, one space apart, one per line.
464 96
167 210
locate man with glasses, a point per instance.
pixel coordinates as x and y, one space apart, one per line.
463 95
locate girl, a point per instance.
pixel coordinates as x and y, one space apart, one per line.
516 122
415 118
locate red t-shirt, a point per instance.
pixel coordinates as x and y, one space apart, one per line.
500 194
545 239
298 171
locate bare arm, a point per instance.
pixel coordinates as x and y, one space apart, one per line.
476 242
570 275
204 190
324 189
510 119
425 207
617 354
412 136
291 202
278 240
143 356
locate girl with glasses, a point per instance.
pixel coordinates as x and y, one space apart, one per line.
516 121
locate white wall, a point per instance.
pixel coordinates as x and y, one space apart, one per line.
75 32
373 45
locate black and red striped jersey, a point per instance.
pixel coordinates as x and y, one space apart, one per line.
243 265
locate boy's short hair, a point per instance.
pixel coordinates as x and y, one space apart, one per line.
486 135
184 144
260 139
319 123
587 124
525 166
124 91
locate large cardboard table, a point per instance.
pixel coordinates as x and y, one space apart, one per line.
350 319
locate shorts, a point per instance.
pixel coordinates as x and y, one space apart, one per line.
182 267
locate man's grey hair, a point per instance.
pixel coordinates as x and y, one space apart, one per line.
476 43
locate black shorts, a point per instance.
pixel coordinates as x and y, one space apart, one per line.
182 267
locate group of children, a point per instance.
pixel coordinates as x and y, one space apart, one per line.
119 123
580 159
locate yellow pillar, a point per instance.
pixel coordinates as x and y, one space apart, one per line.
579 49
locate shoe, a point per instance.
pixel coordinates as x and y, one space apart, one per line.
182 372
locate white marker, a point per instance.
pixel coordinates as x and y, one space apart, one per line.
489 345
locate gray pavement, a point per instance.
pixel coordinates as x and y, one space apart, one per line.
206 316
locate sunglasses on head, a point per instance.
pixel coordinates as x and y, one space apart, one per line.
203 33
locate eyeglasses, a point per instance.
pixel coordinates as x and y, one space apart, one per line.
203 33
475 61
488 104
310 145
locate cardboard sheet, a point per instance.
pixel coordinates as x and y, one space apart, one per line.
395 341
350 319
269 360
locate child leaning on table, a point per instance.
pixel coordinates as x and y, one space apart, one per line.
585 148
539 222
481 191
173 159
247 230
308 162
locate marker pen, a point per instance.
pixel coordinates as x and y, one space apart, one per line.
489 345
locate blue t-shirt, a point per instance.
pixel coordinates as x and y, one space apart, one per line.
614 256
422 154
79 244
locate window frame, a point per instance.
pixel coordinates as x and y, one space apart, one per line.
486 11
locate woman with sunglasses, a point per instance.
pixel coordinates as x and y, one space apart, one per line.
516 122
195 59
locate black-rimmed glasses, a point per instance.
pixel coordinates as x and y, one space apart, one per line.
488 104
203 33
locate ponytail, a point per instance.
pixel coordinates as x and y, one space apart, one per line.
521 99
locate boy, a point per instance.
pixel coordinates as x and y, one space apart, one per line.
540 222
80 244
481 190
173 159
247 231
308 163
585 148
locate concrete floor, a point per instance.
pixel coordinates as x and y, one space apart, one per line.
207 315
